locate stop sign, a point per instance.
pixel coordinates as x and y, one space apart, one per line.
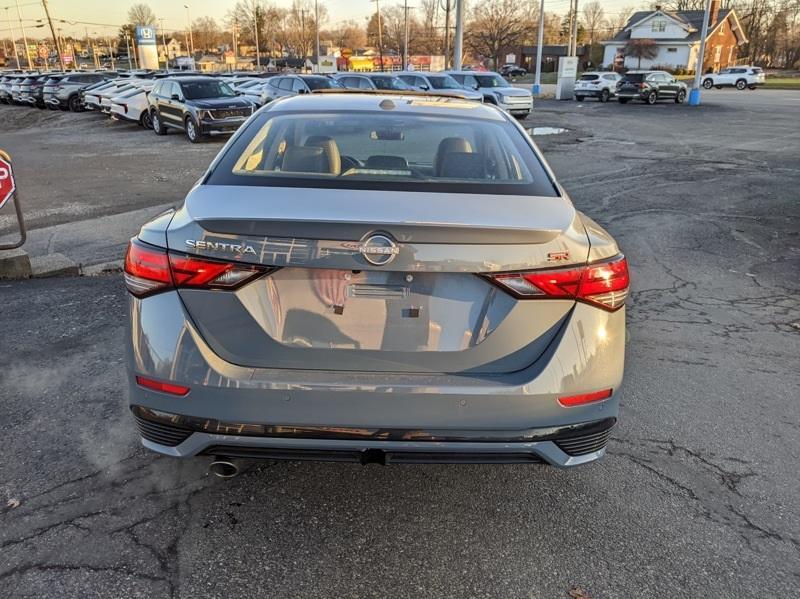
6 181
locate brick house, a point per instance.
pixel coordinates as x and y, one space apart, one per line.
677 37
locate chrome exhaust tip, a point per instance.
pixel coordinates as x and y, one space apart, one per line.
224 468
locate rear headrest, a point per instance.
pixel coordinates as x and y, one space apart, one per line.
328 144
449 145
463 165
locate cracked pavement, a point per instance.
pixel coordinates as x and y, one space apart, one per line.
697 496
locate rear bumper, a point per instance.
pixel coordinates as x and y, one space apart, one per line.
289 409
591 93
564 446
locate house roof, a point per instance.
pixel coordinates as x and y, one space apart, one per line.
693 19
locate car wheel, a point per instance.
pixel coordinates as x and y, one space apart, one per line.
680 97
708 83
623 100
192 130
579 98
74 104
652 97
158 126
145 120
605 95
741 84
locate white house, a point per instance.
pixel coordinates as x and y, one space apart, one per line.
677 38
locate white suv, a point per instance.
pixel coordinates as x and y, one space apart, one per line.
738 77
600 85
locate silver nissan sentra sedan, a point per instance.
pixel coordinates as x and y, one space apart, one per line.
377 278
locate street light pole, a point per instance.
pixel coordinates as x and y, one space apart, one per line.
189 23
694 94
13 38
458 44
128 46
55 37
164 43
537 85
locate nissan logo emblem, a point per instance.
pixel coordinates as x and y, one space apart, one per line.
378 249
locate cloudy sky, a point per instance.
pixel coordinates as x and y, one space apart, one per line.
113 12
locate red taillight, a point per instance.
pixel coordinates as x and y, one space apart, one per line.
149 269
584 398
146 269
161 386
603 284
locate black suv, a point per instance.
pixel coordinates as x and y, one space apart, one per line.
650 86
196 105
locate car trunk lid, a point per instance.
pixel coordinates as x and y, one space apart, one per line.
332 304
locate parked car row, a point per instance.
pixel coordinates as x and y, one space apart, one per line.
651 86
200 105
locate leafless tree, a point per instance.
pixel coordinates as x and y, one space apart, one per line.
621 18
141 14
495 26
206 32
641 48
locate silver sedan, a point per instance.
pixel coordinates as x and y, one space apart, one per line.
377 277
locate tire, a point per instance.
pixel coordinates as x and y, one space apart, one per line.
679 99
741 84
605 95
158 126
623 100
652 98
145 120
192 130
74 104
579 98
708 83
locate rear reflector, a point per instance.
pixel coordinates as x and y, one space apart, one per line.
578 400
603 284
162 387
149 269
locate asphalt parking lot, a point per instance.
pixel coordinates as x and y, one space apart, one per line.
697 496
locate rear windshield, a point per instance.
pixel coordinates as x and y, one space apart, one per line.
199 90
589 77
491 81
358 150
321 83
757 70
635 77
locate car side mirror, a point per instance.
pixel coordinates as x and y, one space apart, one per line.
424 87
302 91
175 97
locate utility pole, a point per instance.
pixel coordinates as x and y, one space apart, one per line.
405 26
13 38
24 37
164 43
448 6
694 93
303 33
111 53
574 33
55 38
316 32
537 85
458 46
380 32
189 23
128 46
255 28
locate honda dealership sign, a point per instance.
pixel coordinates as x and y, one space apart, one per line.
147 47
